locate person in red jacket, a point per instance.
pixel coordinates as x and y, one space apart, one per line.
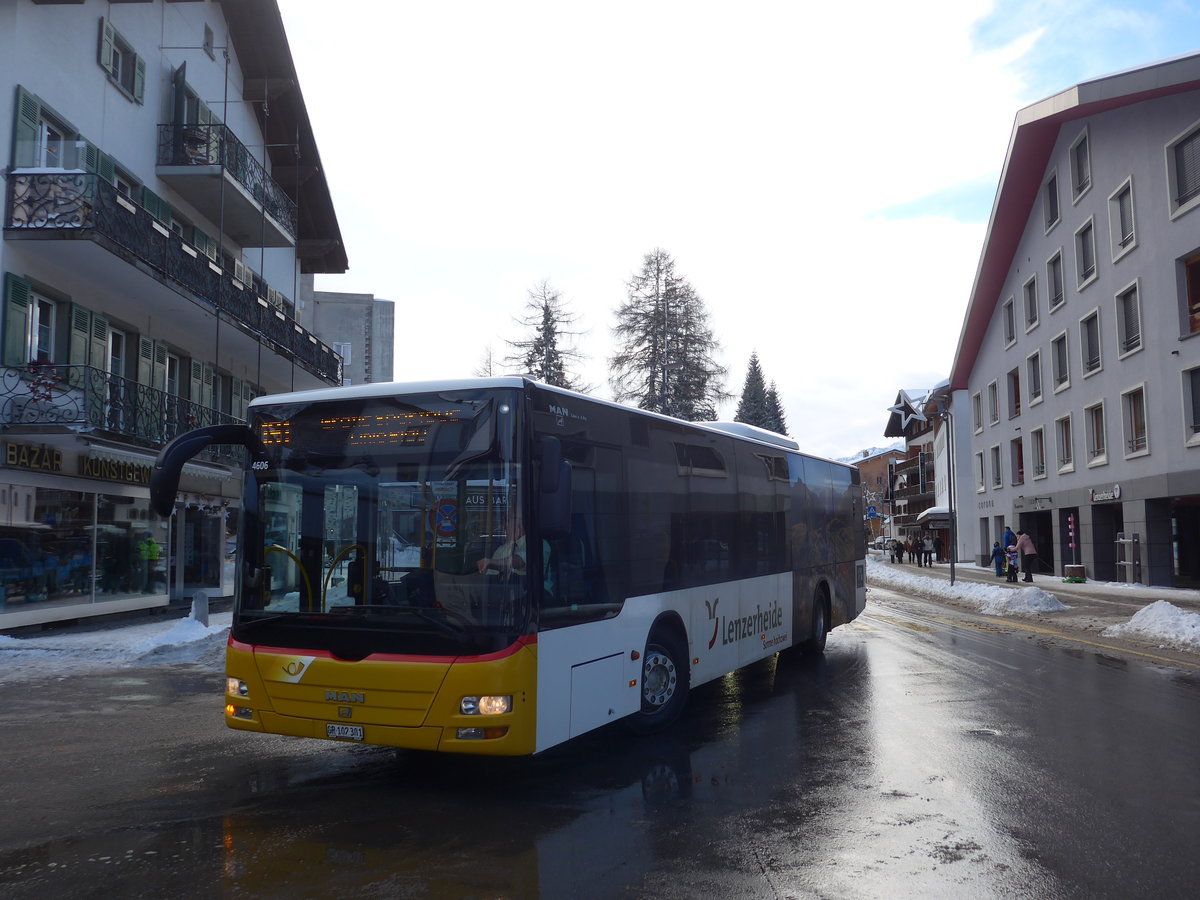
1028 553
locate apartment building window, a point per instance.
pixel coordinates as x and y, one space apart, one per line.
1016 460
993 403
1129 320
1191 405
980 475
1060 362
1133 416
1120 220
1089 343
1097 448
1054 280
997 474
977 412
1031 303
1191 276
1010 322
1014 393
1064 444
1050 201
1033 366
29 321
1183 170
125 68
1085 254
1081 166
1037 450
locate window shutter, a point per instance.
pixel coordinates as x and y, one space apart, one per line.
25 128
98 343
158 372
145 360
107 168
107 39
139 79
156 206
195 381
18 295
81 328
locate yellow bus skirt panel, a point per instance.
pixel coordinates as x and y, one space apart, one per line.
392 701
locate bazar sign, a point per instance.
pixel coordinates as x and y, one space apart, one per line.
33 458
121 470
1099 495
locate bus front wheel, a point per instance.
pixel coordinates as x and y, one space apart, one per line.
665 678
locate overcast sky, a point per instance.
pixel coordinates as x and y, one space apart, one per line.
822 174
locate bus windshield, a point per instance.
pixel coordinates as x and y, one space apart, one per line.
386 524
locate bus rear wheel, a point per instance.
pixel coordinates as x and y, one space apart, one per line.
665 679
820 626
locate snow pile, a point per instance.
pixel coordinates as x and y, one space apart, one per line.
153 643
1162 621
993 599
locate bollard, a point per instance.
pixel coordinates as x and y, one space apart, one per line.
200 607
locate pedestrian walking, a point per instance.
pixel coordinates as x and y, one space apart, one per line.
928 551
1028 551
938 547
999 558
1011 563
918 550
1009 538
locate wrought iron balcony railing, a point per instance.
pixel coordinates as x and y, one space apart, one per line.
87 399
75 202
216 145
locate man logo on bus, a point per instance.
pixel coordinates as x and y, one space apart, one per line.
712 614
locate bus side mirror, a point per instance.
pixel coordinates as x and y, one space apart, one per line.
554 491
164 477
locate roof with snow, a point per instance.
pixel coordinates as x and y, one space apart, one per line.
1034 134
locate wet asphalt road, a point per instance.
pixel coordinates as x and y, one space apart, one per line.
929 753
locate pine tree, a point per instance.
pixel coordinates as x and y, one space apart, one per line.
754 408
542 355
778 420
666 357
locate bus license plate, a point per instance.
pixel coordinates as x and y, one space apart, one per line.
348 732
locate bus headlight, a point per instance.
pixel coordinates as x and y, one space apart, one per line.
237 687
486 705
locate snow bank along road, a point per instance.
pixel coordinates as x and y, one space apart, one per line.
1161 622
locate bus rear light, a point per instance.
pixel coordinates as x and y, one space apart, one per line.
486 705
481 734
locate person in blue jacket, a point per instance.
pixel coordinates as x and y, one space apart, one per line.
998 558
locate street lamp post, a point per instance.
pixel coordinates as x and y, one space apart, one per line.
948 419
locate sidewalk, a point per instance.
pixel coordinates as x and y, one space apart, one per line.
1165 617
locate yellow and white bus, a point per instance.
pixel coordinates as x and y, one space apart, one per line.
495 566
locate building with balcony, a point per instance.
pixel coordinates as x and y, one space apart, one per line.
874 470
360 329
163 199
1078 363
910 479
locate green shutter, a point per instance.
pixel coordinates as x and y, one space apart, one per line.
139 79
145 363
89 157
158 374
18 295
156 206
107 168
81 329
26 125
107 38
98 343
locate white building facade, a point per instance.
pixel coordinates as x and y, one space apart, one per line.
1077 375
163 197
